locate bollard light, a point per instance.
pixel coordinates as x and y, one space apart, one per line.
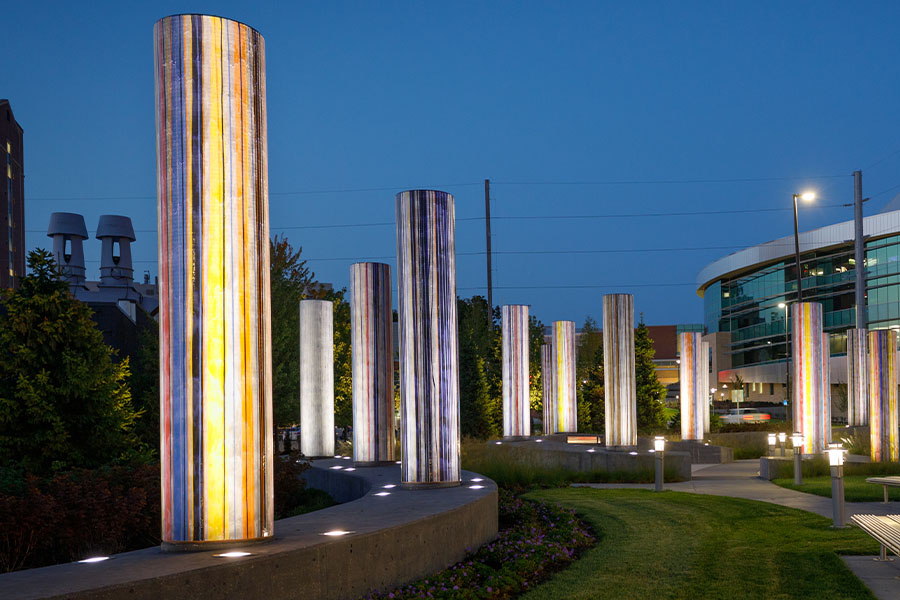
797 441
782 438
659 447
835 455
772 438
836 460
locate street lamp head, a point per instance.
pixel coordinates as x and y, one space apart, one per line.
771 439
781 305
782 437
808 196
797 439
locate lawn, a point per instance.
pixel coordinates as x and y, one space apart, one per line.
855 488
677 545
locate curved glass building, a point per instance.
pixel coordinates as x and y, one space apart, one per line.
745 297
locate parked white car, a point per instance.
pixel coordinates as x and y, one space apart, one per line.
745 415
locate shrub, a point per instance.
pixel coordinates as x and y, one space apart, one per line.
536 539
74 514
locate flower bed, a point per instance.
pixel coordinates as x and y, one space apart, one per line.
535 540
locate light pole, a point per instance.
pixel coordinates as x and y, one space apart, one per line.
797 440
807 197
787 353
659 448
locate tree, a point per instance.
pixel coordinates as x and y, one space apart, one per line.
585 362
535 382
481 383
592 396
650 392
343 359
290 281
64 402
145 386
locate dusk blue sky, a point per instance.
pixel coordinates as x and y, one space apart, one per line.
548 100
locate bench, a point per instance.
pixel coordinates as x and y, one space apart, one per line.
885 529
886 482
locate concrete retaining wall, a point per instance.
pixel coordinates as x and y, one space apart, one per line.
393 540
551 454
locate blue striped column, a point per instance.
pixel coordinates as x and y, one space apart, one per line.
618 370
547 385
565 401
514 334
692 369
883 417
317 378
857 378
372 349
429 352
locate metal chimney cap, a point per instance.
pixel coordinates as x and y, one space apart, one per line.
62 223
115 226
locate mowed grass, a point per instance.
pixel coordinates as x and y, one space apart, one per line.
855 488
678 545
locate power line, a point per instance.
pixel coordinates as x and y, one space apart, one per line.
667 181
466 184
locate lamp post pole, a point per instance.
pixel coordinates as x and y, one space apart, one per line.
797 440
836 460
659 447
797 250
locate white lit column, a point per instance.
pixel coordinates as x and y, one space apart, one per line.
618 370
317 377
516 409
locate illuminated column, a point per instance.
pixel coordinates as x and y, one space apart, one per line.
429 352
705 387
215 342
825 430
516 406
562 358
883 395
317 378
857 378
618 370
692 371
547 384
809 376
373 363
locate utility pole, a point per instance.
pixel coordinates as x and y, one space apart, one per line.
487 233
858 251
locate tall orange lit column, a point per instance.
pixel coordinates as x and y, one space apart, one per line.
215 348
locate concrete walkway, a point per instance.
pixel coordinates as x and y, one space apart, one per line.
740 479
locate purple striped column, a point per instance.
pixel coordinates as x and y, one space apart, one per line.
565 402
516 405
547 385
429 351
857 378
809 376
692 370
372 349
883 418
618 370
213 241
